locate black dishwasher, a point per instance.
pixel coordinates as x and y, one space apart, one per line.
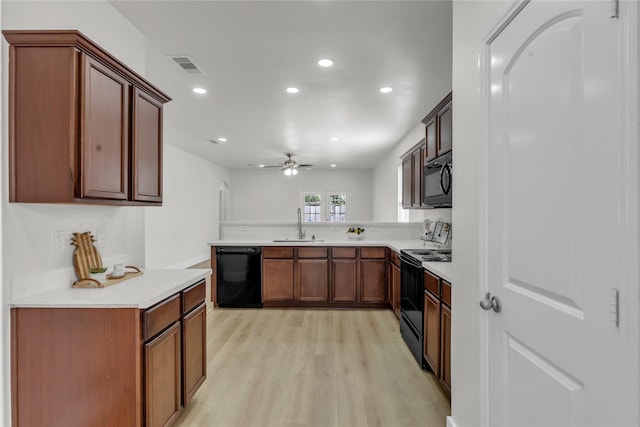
239 283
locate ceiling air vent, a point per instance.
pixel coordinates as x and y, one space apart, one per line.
186 64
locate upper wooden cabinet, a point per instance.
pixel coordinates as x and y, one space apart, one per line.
413 176
83 127
407 181
438 124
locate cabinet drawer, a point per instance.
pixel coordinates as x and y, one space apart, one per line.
312 252
446 293
375 253
432 283
158 317
277 252
343 252
193 296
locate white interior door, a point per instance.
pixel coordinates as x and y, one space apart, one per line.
557 196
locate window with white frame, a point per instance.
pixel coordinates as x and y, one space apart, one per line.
330 206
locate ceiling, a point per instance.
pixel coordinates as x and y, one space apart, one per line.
251 51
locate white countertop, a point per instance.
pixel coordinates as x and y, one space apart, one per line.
139 292
440 269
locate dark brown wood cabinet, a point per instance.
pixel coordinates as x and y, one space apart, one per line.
278 274
373 275
393 281
104 132
127 366
163 377
320 276
83 127
194 340
313 280
146 148
418 176
438 127
407 181
437 328
445 348
431 331
413 177
344 274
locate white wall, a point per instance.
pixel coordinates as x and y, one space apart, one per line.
472 21
269 195
177 234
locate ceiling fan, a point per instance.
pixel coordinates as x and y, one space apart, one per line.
289 166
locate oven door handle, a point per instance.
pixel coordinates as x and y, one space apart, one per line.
412 262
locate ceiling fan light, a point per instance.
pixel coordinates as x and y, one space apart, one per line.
294 171
288 171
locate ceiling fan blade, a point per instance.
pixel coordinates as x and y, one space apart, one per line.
305 166
271 166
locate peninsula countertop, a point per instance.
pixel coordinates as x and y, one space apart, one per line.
142 292
440 269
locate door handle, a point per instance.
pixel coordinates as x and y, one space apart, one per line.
491 303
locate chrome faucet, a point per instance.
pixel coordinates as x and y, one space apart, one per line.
301 233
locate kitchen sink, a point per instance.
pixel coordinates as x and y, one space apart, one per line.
298 240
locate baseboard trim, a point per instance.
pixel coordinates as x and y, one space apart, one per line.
451 423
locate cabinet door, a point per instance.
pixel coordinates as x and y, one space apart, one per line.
344 280
431 332
104 133
372 280
416 158
396 290
162 377
146 149
313 278
277 280
445 345
407 181
444 129
431 150
194 344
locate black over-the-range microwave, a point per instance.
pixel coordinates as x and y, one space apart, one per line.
438 176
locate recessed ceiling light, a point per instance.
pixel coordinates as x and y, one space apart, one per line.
386 89
200 90
333 165
325 62
222 139
334 139
260 166
293 90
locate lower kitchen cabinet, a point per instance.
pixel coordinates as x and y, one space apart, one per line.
163 379
320 276
437 328
445 344
194 344
312 280
344 275
431 332
277 280
277 274
393 281
372 280
108 366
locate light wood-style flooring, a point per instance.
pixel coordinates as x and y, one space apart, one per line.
312 368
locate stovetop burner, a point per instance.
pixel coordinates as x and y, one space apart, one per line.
429 255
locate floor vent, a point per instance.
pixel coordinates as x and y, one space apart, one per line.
187 65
